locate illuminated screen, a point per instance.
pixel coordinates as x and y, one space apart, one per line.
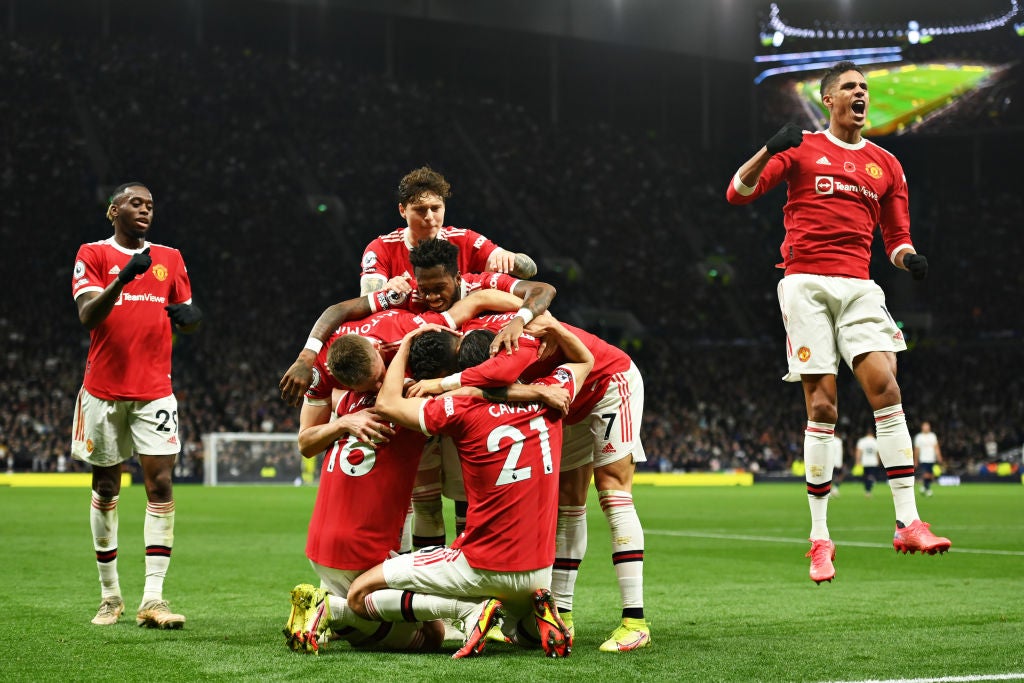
926 75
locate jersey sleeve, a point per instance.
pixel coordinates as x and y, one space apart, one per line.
894 217
500 370
86 276
477 250
774 172
374 263
181 292
323 383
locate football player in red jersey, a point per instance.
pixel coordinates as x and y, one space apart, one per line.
510 455
131 295
422 200
840 186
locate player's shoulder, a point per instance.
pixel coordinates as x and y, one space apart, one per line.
396 235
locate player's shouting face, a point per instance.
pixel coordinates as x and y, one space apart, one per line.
424 215
847 100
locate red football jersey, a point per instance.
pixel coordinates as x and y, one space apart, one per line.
504 369
385 329
388 255
364 495
837 194
510 455
130 351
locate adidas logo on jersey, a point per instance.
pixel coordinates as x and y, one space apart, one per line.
608 448
823 161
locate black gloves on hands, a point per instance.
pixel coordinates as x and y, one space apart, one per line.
184 315
790 135
917 264
137 265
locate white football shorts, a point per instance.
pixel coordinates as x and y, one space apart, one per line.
612 430
831 317
106 433
441 570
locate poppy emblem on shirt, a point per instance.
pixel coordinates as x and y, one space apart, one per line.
849 166
803 354
873 170
823 184
160 272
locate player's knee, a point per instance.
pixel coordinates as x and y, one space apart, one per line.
356 601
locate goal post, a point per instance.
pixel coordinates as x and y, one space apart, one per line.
255 458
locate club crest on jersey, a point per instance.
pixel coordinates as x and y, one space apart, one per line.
803 354
873 170
89 445
823 184
79 269
369 260
160 272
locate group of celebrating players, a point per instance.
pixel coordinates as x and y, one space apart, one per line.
529 411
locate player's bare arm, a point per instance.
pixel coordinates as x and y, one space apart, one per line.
391 403
482 301
365 425
299 376
94 308
537 296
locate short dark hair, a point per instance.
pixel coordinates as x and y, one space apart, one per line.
423 179
124 186
834 72
435 252
475 348
432 355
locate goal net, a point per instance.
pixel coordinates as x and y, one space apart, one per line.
256 458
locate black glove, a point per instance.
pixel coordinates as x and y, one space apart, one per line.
137 265
183 315
790 135
917 264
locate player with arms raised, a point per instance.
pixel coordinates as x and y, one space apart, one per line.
840 186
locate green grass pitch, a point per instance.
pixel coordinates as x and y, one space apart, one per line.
726 587
903 95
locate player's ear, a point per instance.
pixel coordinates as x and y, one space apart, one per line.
401 209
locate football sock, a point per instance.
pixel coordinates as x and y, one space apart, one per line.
896 452
405 545
818 466
390 604
461 509
627 546
158 532
570 547
103 520
428 516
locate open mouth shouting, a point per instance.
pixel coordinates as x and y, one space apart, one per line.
859 109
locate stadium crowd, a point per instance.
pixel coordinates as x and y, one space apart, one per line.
271 200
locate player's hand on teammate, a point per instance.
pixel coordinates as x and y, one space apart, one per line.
137 265
790 135
368 426
555 396
917 264
298 378
501 261
184 315
508 336
425 388
400 284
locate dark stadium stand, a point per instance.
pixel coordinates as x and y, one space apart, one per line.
234 143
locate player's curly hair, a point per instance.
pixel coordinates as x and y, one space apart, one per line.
834 72
433 355
350 359
475 348
423 179
435 252
116 195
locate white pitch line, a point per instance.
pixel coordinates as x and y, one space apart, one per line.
944 679
803 541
